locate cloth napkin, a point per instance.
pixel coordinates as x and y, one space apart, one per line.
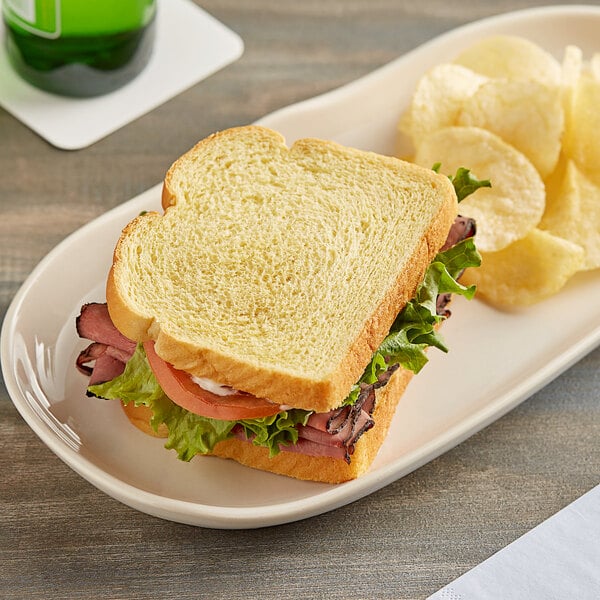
557 560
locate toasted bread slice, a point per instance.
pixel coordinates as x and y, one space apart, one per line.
278 270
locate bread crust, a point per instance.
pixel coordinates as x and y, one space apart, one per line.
283 387
140 417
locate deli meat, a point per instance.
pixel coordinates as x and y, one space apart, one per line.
108 362
94 323
342 427
105 358
462 228
302 446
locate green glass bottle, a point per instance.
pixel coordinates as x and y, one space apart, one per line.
79 47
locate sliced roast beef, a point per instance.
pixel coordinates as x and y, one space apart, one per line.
94 351
311 448
462 228
94 323
441 305
106 368
342 427
89 355
105 358
302 446
342 438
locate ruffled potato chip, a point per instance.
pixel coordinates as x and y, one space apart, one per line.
511 57
571 69
580 141
514 204
526 114
571 66
595 66
527 271
438 99
510 112
573 210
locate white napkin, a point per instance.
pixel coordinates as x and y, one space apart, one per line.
557 560
190 45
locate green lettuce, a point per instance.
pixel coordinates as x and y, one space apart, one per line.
191 434
464 182
415 328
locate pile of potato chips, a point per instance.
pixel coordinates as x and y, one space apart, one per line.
511 113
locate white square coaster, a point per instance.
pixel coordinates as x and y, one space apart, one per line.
190 45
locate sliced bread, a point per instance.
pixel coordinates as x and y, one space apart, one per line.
278 270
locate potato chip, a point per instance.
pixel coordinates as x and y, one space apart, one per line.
526 114
514 204
573 211
511 57
580 141
557 189
528 120
571 67
527 271
595 66
438 98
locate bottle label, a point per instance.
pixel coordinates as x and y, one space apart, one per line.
43 21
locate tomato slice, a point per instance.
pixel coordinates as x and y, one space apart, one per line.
180 388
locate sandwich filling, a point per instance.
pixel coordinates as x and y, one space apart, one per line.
118 368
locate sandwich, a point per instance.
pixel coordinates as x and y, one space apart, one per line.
276 309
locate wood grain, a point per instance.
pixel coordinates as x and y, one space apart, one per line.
62 538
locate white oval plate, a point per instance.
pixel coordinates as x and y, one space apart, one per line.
499 358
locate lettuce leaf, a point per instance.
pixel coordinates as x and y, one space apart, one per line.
276 430
464 182
415 328
191 434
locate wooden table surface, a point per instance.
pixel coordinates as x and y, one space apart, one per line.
62 538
